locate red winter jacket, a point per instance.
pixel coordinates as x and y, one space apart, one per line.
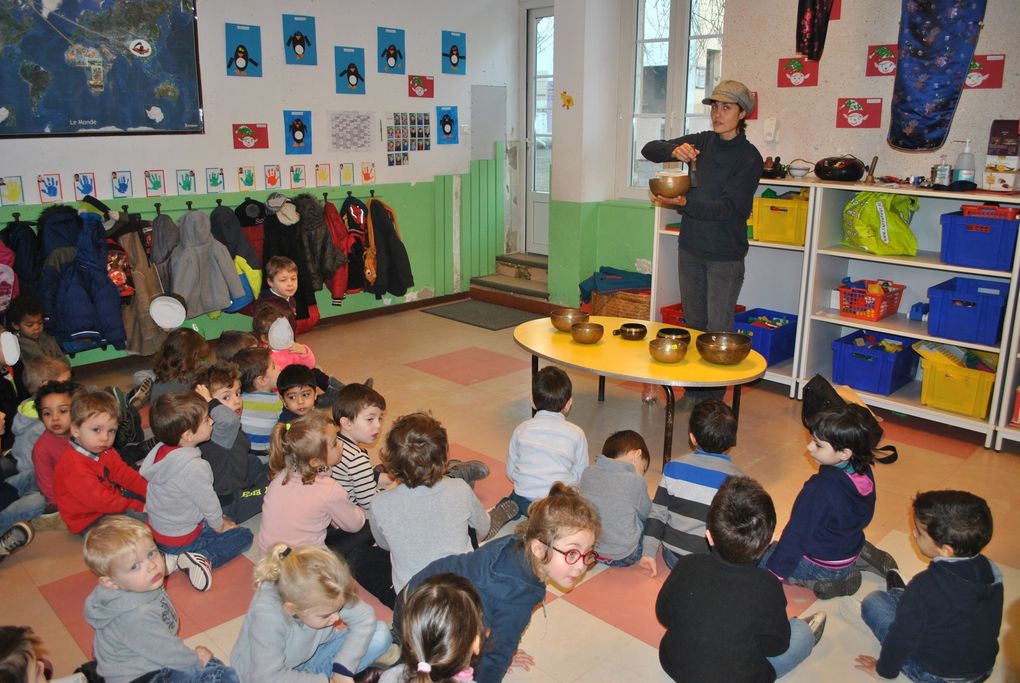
86 488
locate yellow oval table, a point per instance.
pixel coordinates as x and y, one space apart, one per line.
613 356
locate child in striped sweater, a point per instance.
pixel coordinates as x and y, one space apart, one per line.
261 404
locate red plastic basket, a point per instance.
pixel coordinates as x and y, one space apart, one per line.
1009 213
857 302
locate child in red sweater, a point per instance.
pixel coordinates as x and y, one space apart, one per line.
53 403
91 480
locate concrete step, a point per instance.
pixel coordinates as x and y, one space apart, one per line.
512 285
523 267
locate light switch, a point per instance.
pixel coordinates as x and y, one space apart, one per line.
769 130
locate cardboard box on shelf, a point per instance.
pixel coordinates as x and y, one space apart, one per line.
1002 165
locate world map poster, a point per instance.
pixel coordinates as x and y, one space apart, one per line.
96 67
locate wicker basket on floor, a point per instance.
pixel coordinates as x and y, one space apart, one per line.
636 305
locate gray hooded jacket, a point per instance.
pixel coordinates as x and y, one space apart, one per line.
180 492
135 633
201 269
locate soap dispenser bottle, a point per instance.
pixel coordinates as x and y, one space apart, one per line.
964 168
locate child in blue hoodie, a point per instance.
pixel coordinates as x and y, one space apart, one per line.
184 510
824 538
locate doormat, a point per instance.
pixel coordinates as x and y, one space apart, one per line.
483 314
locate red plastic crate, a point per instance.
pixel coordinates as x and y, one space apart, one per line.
1009 213
855 301
674 313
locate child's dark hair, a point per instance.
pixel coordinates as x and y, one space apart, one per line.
713 426
43 369
22 306
295 375
958 519
219 375
51 388
19 645
562 513
268 312
353 399
181 356
253 363
416 450
439 625
177 412
232 341
551 389
846 427
742 519
624 442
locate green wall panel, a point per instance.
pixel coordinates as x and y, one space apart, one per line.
481 217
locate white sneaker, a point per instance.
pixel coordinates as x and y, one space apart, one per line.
197 568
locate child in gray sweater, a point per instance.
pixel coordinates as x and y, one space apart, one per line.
135 622
616 486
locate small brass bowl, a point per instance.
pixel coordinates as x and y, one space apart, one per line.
586 333
563 318
667 350
724 348
631 331
675 333
669 186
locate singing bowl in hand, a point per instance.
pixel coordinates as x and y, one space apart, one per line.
669 186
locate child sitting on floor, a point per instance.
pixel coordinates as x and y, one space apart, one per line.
427 514
232 341
261 404
943 625
90 480
292 629
725 617
134 620
303 501
546 448
178 362
824 538
296 386
688 485
25 317
22 658
53 403
184 512
615 484
359 412
239 477
27 426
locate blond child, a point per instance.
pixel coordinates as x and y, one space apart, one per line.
134 620
91 480
303 501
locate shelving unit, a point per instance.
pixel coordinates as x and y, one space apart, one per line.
802 280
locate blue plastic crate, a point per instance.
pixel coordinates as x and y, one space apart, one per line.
968 310
978 241
775 344
874 370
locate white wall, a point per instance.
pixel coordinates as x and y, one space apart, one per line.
491 60
758 34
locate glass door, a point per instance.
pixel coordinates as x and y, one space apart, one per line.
539 137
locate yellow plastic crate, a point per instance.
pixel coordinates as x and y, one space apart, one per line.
779 220
956 389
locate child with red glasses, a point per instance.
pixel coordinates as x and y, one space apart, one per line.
555 543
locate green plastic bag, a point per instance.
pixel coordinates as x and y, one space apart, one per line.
879 223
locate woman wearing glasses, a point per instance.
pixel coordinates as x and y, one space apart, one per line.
555 543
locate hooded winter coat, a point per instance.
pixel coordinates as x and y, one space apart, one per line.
283 239
136 633
165 238
180 495
201 269
393 267
144 336
321 255
227 229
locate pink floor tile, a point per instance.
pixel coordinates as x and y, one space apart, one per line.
198 612
625 598
798 599
495 486
470 366
929 435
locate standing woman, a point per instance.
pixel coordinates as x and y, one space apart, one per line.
713 233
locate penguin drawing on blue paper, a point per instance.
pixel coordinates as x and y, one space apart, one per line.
240 60
352 75
454 56
297 133
446 125
298 42
392 56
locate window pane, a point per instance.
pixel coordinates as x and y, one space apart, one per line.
645 129
544 46
707 17
544 98
653 19
650 85
704 68
543 158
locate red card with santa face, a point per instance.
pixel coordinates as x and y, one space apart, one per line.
250 135
797 72
859 112
985 71
421 86
881 60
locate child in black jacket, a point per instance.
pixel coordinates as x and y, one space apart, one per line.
945 623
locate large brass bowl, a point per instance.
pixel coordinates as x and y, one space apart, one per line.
667 350
586 333
676 333
723 348
563 318
669 186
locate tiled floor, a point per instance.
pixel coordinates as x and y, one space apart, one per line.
477 383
